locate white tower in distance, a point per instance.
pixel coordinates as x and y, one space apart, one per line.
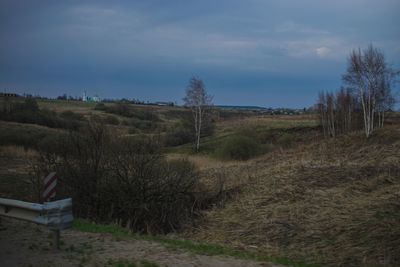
84 97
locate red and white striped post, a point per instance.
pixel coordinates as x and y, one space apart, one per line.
49 192
50 183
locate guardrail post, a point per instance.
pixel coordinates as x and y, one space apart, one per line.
56 215
56 239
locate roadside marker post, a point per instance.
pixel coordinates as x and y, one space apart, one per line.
50 183
49 192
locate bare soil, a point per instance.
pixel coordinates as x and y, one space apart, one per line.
26 244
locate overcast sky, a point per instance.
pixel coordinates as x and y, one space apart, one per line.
253 52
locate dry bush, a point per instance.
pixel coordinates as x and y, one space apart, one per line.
120 180
238 148
150 194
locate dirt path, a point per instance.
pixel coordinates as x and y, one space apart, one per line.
25 244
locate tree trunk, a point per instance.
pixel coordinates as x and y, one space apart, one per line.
198 129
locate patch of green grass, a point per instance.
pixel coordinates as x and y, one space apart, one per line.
127 263
55 104
194 247
146 263
85 226
121 263
279 131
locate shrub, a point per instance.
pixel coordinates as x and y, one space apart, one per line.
239 148
30 104
179 135
26 136
139 118
125 110
29 112
70 115
286 140
132 130
120 179
100 106
111 120
152 194
143 125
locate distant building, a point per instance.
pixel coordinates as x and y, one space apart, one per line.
86 98
9 95
95 98
165 103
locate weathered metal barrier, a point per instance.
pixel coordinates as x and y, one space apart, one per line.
56 215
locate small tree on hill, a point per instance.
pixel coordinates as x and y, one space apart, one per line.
370 78
199 102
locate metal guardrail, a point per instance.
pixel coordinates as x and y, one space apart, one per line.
56 215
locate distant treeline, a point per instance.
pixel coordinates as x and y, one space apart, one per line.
66 97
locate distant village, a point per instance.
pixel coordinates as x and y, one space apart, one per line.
96 99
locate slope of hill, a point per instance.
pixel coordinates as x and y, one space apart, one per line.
334 202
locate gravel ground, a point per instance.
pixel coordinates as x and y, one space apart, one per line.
26 244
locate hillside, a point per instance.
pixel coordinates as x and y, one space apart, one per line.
334 202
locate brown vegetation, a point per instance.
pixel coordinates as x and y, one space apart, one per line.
334 202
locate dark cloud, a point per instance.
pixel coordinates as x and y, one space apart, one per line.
271 53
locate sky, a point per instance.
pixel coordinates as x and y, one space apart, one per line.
271 53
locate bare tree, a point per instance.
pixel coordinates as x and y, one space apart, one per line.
338 112
369 76
200 103
327 113
385 99
322 113
345 106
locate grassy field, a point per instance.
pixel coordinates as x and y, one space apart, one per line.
186 245
332 202
63 105
266 129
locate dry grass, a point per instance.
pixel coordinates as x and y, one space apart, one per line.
266 122
15 171
63 105
335 202
202 162
16 152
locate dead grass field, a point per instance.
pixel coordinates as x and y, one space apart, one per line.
334 202
14 172
263 122
62 105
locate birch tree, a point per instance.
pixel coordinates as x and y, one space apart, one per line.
200 103
338 112
369 76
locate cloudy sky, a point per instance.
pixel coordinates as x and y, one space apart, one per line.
254 52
